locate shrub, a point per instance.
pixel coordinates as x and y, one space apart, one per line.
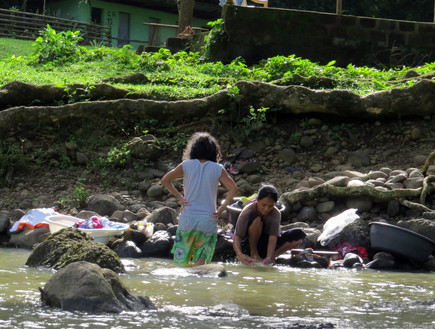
57 47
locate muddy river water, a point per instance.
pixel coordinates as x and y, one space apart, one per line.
260 297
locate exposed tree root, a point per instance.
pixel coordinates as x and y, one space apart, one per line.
414 205
427 187
105 101
378 195
428 162
335 192
191 126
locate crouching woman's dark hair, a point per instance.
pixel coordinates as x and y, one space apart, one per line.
267 191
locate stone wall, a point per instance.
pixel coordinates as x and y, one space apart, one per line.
256 33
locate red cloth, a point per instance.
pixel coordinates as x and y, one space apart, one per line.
32 227
347 247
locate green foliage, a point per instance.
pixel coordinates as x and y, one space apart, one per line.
295 137
12 157
233 111
174 143
254 121
234 93
65 162
255 117
57 47
342 127
184 75
125 55
338 130
304 123
96 44
157 61
118 156
79 94
284 66
78 198
216 33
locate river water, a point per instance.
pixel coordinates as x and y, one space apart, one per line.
260 297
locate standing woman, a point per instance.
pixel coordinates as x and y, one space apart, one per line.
196 235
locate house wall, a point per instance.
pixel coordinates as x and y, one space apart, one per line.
139 33
323 37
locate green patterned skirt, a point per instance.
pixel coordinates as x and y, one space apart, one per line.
189 246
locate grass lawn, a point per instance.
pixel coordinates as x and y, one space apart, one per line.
9 47
177 76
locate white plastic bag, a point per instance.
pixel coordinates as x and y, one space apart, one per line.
335 225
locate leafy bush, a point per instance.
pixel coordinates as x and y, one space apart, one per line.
217 32
60 47
78 198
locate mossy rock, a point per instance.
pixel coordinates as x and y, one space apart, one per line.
71 245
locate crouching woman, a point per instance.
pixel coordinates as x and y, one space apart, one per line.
257 236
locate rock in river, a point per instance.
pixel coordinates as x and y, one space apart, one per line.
86 287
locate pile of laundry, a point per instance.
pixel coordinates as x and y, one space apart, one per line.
34 218
98 223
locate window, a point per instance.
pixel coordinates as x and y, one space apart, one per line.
96 15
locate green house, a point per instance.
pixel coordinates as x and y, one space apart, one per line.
134 22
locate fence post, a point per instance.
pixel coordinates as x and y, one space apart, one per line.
339 6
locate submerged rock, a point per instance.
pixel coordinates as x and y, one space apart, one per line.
382 260
86 287
228 309
71 245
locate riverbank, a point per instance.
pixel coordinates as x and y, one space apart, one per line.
285 152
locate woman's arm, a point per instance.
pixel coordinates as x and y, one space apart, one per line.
169 178
232 188
237 246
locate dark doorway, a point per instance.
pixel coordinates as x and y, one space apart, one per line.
123 29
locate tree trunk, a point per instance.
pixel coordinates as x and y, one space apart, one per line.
185 14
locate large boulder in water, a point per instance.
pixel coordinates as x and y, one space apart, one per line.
71 245
159 245
224 248
86 287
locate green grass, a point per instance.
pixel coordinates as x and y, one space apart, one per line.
179 76
10 47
